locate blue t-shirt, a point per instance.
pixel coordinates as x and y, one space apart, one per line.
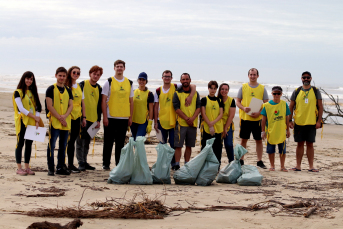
264 113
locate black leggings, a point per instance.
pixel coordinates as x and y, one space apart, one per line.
74 133
20 144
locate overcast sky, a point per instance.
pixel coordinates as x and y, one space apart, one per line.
209 39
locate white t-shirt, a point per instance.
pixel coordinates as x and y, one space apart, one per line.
107 91
75 86
164 91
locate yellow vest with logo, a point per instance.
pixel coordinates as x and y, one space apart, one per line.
276 116
61 101
29 104
247 94
119 102
212 112
167 113
306 113
188 111
77 94
91 101
140 106
226 113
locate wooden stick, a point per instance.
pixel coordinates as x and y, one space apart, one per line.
309 212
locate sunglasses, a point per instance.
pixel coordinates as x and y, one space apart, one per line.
277 93
77 73
306 77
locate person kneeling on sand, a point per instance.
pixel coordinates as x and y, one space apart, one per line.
274 122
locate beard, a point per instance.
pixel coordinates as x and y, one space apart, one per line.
185 84
306 83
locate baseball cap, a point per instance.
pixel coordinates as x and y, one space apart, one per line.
143 75
277 88
307 72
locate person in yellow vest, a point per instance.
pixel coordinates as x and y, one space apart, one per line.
165 116
92 100
27 108
306 102
212 123
251 123
187 120
143 109
76 114
117 110
275 127
228 115
59 104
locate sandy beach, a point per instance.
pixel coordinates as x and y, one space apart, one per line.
324 187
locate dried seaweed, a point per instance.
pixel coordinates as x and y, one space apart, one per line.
47 225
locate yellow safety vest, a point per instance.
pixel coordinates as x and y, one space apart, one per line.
226 113
247 94
77 94
140 106
212 112
306 113
119 102
167 113
91 101
61 104
188 111
276 116
29 104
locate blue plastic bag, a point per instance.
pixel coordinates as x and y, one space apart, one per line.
210 167
160 171
121 174
231 172
188 174
141 172
250 177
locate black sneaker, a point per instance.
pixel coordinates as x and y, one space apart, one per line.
241 161
107 168
82 168
66 168
176 167
73 169
62 171
51 172
261 165
89 167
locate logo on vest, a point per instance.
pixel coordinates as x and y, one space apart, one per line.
121 88
138 97
213 107
61 101
76 96
92 94
252 94
168 100
277 116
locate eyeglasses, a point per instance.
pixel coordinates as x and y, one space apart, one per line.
77 73
167 77
278 93
306 77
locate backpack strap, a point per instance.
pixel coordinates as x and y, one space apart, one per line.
109 81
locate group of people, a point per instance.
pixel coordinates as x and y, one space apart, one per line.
72 108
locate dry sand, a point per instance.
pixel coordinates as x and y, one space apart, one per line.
325 186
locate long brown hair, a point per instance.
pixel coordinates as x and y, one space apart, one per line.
33 88
219 95
69 79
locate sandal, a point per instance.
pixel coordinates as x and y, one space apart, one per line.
271 169
284 170
313 170
295 169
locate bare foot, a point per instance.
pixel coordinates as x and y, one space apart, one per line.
271 169
284 170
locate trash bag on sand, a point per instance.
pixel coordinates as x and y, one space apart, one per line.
141 172
251 176
231 172
160 171
189 172
121 174
210 167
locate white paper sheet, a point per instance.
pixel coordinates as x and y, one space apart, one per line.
255 105
92 130
35 134
159 136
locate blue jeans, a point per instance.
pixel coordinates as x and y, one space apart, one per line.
228 142
281 147
165 134
62 145
138 129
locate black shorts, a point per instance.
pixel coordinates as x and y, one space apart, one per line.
305 133
248 127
